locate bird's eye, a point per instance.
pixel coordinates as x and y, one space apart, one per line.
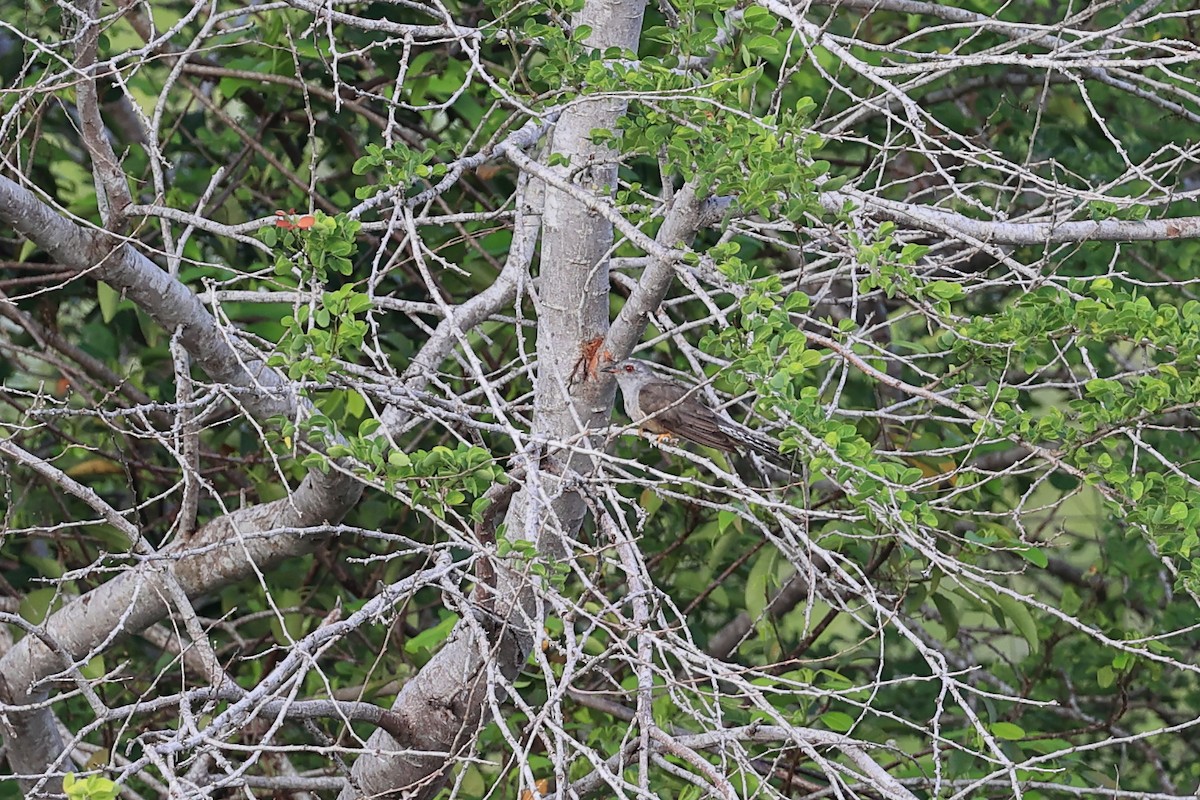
629 367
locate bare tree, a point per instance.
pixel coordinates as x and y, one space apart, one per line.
331 501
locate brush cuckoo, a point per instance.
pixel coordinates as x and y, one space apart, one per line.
670 408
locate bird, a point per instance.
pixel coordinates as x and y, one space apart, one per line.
669 408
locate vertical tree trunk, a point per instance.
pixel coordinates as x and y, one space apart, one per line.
446 703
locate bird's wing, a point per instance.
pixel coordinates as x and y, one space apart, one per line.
687 418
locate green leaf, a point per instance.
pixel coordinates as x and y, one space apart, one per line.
430 637
764 45
837 721
94 668
945 290
1018 613
1035 556
1007 730
93 787
949 611
109 299
758 582
1070 602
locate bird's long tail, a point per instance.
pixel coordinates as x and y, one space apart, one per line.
760 443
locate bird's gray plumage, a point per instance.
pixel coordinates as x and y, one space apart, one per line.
664 406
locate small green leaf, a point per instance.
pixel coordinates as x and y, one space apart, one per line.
109 299
949 612
837 721
1035 556
428 638
763 45
1017 612
945 290
1007 730
1070 602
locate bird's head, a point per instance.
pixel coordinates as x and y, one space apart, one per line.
629 368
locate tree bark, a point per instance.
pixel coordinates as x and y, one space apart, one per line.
449 700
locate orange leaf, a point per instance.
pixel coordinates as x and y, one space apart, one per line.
543 788
288 219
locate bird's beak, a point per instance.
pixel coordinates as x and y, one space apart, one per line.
611 369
